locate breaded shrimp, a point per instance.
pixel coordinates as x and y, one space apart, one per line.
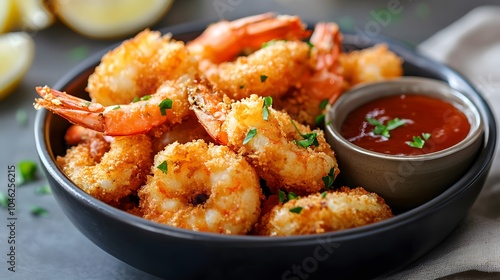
319 213
138 67
322 82
169 104
224 40
284 153
272 70
118 173
202 187
370 65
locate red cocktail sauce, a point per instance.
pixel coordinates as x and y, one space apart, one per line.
422 114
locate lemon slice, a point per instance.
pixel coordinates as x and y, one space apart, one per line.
8 15
110 18
17 50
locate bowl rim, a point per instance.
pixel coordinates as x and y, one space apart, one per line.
360 91
480 166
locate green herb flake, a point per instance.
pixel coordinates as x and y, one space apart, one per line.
270 43
268 101
309 138
242 86
323 194
28 170
323 104
250 134
296 210
381 129
281 196
42 190
39 211
263 78
116 107
21 117
292 195
86 104
164 105
136 99
145 97
418 142
320 120
4 200
328 179
163 166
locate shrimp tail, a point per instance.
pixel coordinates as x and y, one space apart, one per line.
224 40
77 111
210 112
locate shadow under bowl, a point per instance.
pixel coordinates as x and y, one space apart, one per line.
174 253
404 181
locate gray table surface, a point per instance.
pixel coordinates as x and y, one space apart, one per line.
51 247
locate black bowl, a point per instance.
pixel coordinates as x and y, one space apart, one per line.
173 253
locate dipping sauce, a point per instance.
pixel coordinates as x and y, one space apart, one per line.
437 123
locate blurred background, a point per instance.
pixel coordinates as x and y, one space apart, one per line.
56 38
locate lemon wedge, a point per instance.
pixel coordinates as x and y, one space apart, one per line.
34 15
17 50
8 15
110 18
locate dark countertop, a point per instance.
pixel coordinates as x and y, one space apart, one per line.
51 247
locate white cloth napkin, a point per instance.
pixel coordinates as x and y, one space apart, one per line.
471 45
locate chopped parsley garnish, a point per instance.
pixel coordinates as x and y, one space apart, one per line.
268 101
269 43
144 98
21 117
320 120
163 166
116 107
328 179
323 194
281 196
28 170
296 210
418 142
381 129
250 134
86 103
41 190
263 78
242 86
4 200
164 105
39 211
323 104
292 195
309 138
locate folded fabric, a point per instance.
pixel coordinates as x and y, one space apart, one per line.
471 45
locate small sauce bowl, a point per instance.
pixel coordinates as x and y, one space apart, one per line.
404 181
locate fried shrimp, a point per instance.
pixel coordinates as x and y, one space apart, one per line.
284 153
318 213
225 40
322 82
138 67
168 105
370 65
272 70
202 187
118 173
